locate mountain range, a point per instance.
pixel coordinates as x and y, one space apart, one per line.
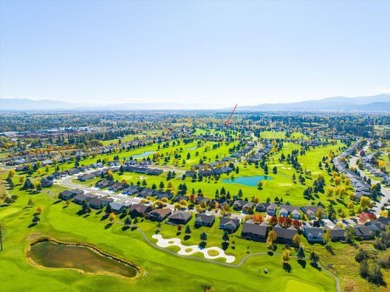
377 103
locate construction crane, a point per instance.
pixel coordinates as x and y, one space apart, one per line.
227 122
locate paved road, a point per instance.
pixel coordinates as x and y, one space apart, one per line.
68 183
385 192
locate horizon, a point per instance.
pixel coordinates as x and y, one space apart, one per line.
193 53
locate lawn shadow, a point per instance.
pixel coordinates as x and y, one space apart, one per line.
316 266
124 228
105 216
225 245
302 263
108 225
287 267
80 212
56 202
202 244
330 250
32 225
186 237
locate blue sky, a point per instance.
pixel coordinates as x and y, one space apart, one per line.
193 52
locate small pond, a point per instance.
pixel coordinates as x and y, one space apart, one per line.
60 255
251 181
144 154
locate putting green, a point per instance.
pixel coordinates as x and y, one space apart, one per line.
294 285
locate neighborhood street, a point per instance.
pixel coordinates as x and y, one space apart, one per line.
385 192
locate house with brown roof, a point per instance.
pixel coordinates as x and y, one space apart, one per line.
158 214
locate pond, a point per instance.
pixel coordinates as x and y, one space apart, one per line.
251 181
142 155
60 255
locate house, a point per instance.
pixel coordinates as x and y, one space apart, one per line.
336 233
103 183
117 186
289 234
296 215
271 209
376 226
253 231
283 212
179 198
160 195
384 220
159 214
118 208
146 193
81 198
238 204
229 224
86 176
139 210
73 171
200 199
99 202
311 211
204 220
131 190
179 217
262 207
70 194
313 234
46 183
285 235
286 210
363 232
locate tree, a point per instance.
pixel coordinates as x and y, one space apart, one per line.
39 210
314 258
257 218
108 209
11 173
203 237
365 202
286 256
225 236
271 238
28 184
301 253
320 214
327 237
188 230
297 240
350 236
112 217
30 203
